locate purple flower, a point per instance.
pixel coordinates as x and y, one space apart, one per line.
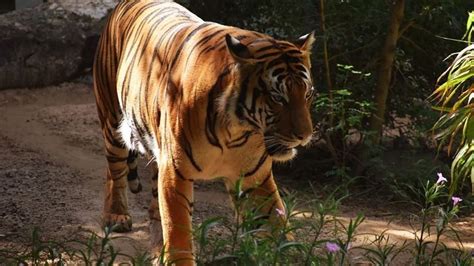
332 247
456 200
441 179
280 212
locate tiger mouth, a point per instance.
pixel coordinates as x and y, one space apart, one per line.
280 152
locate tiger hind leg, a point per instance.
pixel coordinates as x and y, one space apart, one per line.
116 214
133 180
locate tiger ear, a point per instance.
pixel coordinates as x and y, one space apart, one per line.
238 50
305 42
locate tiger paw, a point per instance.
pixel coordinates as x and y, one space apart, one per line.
119 223
135 186
134 181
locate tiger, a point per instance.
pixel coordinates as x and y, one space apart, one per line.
202 100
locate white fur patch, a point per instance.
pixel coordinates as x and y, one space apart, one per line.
129 137
125 132
286 157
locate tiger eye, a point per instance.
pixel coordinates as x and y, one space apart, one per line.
278 99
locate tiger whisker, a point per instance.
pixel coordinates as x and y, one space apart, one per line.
152 159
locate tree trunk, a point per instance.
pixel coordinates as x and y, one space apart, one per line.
384 74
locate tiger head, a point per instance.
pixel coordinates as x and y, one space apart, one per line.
276 91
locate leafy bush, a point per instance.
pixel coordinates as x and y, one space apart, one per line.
456 126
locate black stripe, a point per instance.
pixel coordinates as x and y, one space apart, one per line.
179 174
109 136
132 174
137 125
255 94
300 68
266 179
186 40
265 48
190 203
278 71
201 42
240 141
115 173
211 115
189 152
263 158
248 118
294 52
262 85
267 55
239 112
132 155
291 59
114 159
274 63
114 142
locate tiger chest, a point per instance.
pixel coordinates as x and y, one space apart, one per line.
242 155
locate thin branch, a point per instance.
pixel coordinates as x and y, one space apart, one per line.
416 46
355 50
405 28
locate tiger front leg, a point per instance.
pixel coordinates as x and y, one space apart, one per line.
260 195
175 193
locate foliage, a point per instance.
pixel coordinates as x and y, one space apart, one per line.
342 116
94 250
456 98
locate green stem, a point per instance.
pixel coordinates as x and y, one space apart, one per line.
322 217
420 240
438 235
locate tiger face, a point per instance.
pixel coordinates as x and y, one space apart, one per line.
282 92
288 124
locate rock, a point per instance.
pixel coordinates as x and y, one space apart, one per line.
93 8
45 45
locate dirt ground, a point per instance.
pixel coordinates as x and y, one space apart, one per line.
52 173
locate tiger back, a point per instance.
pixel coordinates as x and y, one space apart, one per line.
202 101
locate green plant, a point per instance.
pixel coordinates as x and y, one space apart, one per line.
456 125
381 251
436 210
93 250
341 121
323 240
250 240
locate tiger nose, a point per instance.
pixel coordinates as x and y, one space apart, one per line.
304 138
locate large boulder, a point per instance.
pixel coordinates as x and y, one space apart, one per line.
45 45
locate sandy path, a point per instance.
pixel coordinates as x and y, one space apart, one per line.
56 128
